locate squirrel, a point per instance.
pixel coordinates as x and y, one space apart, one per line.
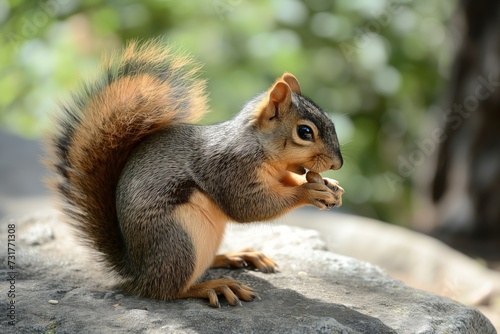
151 192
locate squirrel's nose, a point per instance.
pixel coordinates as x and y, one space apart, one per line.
337 163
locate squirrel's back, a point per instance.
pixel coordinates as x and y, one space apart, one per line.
142 89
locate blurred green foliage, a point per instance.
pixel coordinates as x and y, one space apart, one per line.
375 65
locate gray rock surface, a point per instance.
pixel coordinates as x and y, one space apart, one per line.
419 260
316 291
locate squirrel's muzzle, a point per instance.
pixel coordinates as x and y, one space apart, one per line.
337 162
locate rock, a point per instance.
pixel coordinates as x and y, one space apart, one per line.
419 260
37 234
317 291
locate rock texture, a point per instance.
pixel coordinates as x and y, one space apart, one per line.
418 260
316 291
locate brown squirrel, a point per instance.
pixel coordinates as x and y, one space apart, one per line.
152 193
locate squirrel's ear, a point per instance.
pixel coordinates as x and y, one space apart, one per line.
280 93
276 103
280 98
292 81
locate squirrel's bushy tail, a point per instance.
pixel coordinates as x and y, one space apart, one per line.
143 89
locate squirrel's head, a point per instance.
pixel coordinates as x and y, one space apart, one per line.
295 130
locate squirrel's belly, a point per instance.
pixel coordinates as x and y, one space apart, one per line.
204 222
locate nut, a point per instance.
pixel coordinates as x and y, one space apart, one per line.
313 177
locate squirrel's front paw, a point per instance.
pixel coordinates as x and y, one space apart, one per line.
337 190
322 193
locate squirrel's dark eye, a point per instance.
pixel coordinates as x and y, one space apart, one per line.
305 132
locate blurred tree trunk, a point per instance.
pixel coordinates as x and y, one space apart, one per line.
466 183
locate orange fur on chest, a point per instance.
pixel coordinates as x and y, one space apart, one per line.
279 178
205 224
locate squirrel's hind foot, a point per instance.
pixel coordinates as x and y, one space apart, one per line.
233 291
243 258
